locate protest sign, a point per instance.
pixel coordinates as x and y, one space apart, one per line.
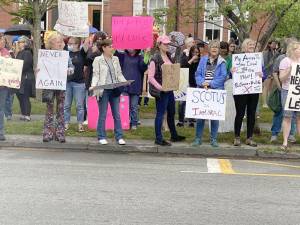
132 32
170 77
180 94
245 77
10 72
52 69
205 104
293 99
73 19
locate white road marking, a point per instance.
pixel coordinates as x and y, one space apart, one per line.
213 166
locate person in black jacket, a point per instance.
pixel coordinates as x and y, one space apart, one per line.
27 88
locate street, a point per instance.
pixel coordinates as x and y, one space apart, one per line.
80 188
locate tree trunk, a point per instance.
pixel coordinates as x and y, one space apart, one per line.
36 33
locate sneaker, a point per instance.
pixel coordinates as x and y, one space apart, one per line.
22 118
180 124
27 118
163 143
85 122
251 143
80 128
292 139
197 142
177 139
103 142
66 126
133 127
214 143
121 142
139 122
237 141
274 138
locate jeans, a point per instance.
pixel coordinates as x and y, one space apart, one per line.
76 90
214 126
3 94
277 122
166 102
8 104
106 98
181 111
133 109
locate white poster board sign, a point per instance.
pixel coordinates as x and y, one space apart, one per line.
10 72
205 104
180 95
245 78
72 19
293 99
52 69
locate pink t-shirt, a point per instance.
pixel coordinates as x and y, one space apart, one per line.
285 64
151 73
4 52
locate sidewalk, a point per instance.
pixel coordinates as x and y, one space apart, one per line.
32 142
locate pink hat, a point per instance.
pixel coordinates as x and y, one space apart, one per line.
163 39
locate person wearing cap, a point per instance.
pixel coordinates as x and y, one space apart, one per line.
165 100
27 88
3 90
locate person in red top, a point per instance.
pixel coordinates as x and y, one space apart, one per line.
3 90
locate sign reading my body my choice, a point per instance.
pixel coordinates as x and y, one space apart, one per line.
293 99
52 69
205 104
246 79
132 32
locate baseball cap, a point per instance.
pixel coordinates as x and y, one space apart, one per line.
163 39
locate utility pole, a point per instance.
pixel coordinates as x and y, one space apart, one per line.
177 8
196 20
145 8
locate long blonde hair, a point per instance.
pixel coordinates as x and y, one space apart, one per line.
245 44
291 48
51 38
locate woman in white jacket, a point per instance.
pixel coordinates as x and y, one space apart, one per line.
107 70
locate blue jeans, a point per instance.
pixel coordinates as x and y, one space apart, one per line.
277 122
106 98
8 104
3 94
76 90
133 109
214 126
166 102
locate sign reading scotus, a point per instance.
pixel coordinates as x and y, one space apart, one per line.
293 98
205 104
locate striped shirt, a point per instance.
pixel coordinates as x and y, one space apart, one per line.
210 70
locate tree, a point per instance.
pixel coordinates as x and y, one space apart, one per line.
31 12
243 15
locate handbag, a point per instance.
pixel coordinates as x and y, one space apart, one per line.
47 96
116 92
274 100
153 91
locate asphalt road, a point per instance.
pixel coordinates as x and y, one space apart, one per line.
76 188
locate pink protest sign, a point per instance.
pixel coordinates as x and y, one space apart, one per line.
93 113
132 32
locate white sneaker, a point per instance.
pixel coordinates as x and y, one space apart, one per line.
85 122
103 142
134 128
273 139
121 142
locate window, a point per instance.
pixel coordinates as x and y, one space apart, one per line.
155 4
213 26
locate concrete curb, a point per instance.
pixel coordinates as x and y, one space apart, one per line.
178 149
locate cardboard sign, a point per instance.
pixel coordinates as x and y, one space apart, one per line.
73 19
53 66
132 32
245 78
293 99
93 113
180 94
170 77
205 104
10 72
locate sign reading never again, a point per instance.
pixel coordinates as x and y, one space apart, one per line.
205 104
293 99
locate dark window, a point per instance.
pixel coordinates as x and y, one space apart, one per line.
97 19
212 34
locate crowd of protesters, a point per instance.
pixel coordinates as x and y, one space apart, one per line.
93 62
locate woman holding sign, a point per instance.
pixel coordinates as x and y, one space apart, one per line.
211 73
106 72
285 69
165 100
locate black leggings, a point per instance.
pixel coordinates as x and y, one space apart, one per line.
241 103
24 98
